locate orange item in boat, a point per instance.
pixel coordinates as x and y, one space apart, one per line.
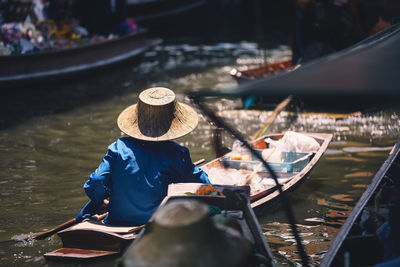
207 190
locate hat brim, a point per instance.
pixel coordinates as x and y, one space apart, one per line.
184 121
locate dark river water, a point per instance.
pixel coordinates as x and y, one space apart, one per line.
46 157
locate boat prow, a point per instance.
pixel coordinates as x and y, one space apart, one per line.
91 240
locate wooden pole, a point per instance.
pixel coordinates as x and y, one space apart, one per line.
271 118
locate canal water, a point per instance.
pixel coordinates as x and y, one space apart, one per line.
46 157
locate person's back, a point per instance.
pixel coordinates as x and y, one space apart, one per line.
136 170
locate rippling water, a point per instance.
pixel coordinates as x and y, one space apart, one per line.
46 159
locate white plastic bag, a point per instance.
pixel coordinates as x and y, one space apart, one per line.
294 142
272 155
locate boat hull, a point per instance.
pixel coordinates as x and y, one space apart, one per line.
92 240
26 69
354 245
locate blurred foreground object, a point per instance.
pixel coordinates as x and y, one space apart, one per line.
183 234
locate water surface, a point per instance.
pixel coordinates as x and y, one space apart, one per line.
46 159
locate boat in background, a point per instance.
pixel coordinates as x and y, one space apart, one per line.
356 78
166 17
146 10
365 239
255 73
27 69
242 76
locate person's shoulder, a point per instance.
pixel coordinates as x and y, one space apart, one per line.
120 143
124 140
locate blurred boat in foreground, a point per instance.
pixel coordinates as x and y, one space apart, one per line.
212 226
370 235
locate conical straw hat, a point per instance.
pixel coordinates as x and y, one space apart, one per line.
157 116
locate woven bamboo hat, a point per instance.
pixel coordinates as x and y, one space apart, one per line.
157 116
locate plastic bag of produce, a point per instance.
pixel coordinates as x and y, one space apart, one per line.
294 142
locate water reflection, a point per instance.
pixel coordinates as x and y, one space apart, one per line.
46 159
326 199
321 206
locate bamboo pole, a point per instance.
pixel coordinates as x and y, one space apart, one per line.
271 118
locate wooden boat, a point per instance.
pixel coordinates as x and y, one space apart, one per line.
235 204
356 244
26 69
91 240
290 180
255 73
356 78
144 11
167 18
262 71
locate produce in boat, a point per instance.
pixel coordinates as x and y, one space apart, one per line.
297 154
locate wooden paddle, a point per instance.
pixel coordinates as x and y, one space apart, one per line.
45 234
58 228
263 129
271 118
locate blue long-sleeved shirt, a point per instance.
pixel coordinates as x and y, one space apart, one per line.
135 174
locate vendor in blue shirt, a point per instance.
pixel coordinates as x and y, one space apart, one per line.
135 173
